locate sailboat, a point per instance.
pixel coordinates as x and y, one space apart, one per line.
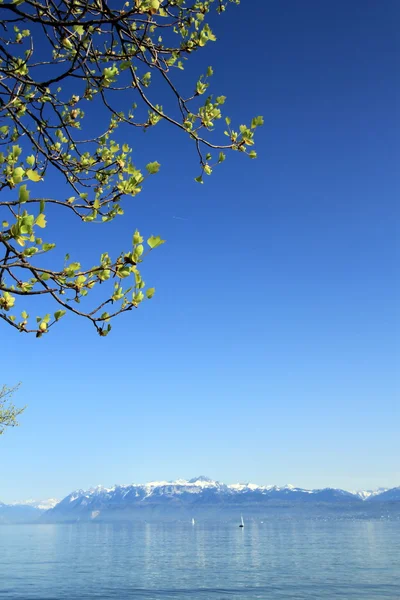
193 521
241 521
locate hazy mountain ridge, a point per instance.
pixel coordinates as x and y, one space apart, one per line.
40 504
26 511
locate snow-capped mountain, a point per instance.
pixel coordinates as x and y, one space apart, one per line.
392 495
199 496
368 494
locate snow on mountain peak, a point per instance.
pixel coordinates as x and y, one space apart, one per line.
365 494
201 479
40 504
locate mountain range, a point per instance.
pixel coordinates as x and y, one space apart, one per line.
200 497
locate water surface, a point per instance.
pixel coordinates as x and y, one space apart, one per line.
293 560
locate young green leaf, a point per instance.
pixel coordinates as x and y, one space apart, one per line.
47 247
58 314
23 194
40 221
257 122
18 174
153 167
79 29
137 238
155 241
33 175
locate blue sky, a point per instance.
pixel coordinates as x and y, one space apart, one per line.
269 352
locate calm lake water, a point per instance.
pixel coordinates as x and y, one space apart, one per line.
299 560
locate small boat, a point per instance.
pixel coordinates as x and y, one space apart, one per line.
193 521
241 522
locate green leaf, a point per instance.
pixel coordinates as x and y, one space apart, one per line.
104 275
58 314
33 175
153 167
30 160
210 71
75 266
41 221
47 247
23 194
137 238
221 157
26 224
79 29
155 241
67 43
80 280
30 251
138 297
124 271
257 122
106 331
199 179
18 174
16 151
150 292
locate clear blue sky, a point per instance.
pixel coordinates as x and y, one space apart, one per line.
269 352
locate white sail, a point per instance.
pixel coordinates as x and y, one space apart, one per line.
193 521
241 520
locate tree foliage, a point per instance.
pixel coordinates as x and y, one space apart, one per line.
120 60
8 412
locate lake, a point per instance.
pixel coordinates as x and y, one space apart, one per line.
291 560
